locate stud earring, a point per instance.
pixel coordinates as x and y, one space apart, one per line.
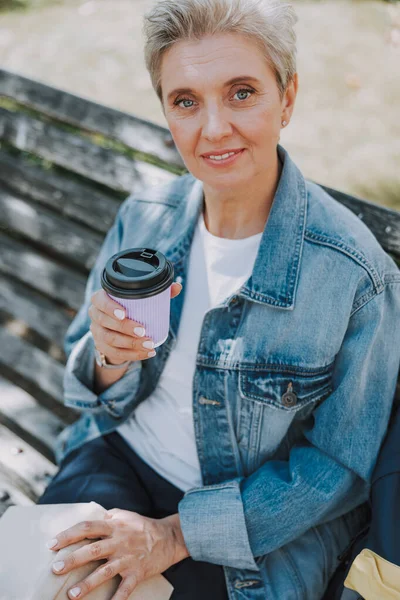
284 123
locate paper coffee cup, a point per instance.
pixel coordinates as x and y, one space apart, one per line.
140 280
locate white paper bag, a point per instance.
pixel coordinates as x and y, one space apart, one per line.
26 563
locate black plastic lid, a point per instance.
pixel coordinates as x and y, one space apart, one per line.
137 273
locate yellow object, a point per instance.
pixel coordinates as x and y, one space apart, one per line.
373 577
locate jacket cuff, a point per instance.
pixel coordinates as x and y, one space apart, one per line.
214 527
373 576
79 381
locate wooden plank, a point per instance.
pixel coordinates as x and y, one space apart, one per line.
65 413
25 417
79 155
74 243
72 198
57 281
136 133
24 466
32 364
383 222
36 311
10 495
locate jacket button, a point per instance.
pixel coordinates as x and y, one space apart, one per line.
203 400
289 398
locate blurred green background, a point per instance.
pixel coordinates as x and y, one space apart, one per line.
345 132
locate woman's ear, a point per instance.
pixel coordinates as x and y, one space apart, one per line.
289 98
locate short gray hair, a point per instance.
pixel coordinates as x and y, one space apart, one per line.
269 23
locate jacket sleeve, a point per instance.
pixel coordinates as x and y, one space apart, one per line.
237 521
79 343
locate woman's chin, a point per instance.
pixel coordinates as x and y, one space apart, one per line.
223 180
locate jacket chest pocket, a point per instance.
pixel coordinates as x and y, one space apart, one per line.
275 407
286 391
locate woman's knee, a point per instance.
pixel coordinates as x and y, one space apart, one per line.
94 473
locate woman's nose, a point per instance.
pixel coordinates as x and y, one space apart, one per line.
216 125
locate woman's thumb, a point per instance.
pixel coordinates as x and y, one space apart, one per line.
177 288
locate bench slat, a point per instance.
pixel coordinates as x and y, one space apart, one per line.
10 495
37 312
22 373
59 282
32 364
136 133
74 243
383 222
79 155
28 470
21 413
73 199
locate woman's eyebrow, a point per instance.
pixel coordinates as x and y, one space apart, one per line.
229 82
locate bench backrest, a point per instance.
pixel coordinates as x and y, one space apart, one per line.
66 163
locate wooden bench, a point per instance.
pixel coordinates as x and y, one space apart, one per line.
66 164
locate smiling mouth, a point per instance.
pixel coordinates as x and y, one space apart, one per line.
223 159
223 156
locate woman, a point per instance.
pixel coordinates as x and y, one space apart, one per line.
236 460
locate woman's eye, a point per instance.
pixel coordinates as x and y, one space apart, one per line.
244 91
178 102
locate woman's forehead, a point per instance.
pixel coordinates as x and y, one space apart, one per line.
212 60
211 48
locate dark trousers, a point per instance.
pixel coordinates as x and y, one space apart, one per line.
107 471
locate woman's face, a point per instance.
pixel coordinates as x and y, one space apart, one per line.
206 112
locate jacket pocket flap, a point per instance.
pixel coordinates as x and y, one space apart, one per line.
286 388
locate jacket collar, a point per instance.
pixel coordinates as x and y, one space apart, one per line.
276 269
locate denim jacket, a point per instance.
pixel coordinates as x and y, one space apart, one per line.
293 387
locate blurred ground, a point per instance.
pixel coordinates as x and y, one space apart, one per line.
345 131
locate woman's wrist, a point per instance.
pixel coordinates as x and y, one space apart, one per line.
104 378
180 551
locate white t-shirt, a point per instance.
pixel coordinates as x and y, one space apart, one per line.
161 429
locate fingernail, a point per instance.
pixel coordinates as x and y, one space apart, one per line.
139 331
52 543
148 344
58 566
120 314
75 592
152 353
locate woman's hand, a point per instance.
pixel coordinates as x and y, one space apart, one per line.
136 548
113 334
